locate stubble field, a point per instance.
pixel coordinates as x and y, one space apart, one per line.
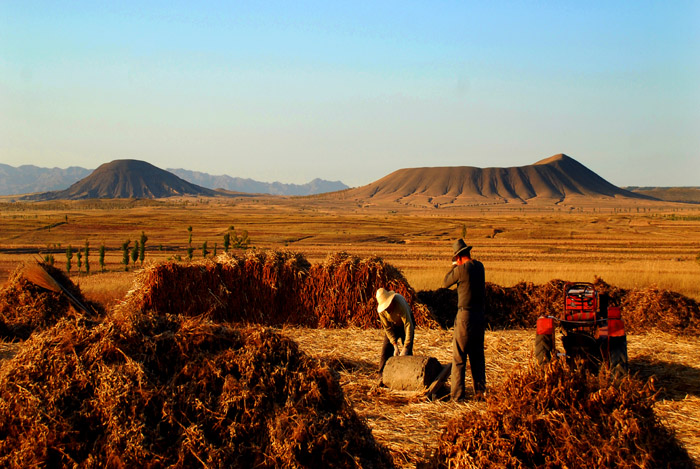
628 247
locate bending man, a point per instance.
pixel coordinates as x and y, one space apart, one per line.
397 320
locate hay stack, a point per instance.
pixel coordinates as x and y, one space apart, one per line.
258 288
342 290
26 307
557 417
274 288
146 390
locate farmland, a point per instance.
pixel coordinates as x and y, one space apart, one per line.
626 246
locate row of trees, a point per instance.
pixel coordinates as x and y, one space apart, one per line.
137 252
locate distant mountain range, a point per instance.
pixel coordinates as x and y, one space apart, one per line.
554 180
317 186
27 179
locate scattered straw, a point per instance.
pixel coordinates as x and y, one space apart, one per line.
409 425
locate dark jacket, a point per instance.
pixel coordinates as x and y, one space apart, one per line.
471 285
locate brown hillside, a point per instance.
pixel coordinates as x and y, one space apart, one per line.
125 179
550 180
688 195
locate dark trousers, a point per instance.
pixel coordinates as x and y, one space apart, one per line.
388 348
468 341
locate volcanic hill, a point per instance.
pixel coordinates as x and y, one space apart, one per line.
552 180
125 179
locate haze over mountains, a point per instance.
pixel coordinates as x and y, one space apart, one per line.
28 179
554 180
317 186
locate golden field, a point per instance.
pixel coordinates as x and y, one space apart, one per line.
627 246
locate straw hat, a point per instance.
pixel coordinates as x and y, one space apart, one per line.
460 247
384 298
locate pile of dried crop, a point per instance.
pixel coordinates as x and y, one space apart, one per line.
654 309
559 417
520 306
25 306
147 390
274 288
341 291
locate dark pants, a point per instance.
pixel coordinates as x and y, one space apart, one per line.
388 348
468 341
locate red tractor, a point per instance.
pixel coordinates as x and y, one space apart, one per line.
590 328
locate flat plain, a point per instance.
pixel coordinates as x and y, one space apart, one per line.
628 246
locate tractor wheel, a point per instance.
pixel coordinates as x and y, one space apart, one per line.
544 345
618 356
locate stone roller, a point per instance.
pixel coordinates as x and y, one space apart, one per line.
414 373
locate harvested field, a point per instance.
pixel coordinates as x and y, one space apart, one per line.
163 390
27 306
409 425
274 288
520 305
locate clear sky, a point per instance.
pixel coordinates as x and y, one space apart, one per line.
353 90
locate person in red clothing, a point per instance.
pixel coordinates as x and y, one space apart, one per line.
468 274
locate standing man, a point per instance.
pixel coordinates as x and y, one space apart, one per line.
470 322
397 320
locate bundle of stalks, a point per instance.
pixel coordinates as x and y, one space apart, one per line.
147 390
520 306
35 297
274 288
561 417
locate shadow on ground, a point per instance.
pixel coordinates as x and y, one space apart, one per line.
674 380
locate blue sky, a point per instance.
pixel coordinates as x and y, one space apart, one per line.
351 91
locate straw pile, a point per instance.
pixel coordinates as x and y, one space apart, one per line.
559 417
274 288
520 306
654 309
146 390
26 307
341 291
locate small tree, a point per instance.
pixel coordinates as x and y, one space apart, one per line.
189 229
102 257
48 258
464 231
135 252
227 241
87 257
125 255
241 241
79 255
189 252
214 254
69 256
204 249
142 247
